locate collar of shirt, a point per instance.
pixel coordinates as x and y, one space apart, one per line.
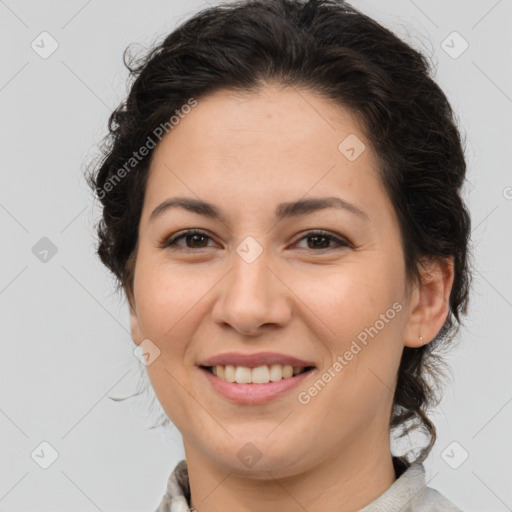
408 493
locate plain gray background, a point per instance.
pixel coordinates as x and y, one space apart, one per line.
65 344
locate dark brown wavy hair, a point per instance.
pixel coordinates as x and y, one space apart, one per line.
330 48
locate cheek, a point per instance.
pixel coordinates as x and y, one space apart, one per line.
358 317
162 298
349 296
172 300
168 309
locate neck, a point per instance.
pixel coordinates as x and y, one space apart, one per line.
346 482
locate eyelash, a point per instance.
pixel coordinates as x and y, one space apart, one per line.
171 242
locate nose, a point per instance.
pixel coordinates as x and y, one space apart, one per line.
252 297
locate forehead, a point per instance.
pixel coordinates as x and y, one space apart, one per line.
274 119
263 148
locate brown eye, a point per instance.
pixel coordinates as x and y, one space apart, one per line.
322 240
193 240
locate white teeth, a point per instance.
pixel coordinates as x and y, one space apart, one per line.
229 374
259 375
276 372
243 375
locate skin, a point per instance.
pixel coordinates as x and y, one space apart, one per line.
245 154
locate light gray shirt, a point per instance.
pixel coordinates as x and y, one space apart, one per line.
409 493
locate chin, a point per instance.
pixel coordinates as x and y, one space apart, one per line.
258 457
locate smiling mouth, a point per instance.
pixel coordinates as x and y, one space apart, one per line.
259 375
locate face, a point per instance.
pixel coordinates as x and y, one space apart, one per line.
324 285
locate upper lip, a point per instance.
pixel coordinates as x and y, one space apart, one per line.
254 360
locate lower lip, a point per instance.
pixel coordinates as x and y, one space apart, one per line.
254 393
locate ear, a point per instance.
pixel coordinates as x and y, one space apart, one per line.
429 304
134 323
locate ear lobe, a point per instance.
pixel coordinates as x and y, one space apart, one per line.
134 326
431 307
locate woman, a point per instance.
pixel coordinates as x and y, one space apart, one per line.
281 204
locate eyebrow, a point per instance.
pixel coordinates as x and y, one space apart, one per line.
283 210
